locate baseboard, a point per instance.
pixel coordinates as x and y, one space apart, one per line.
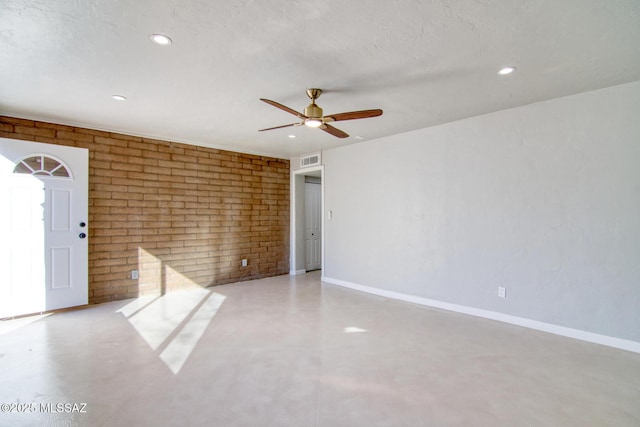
500 317
297 272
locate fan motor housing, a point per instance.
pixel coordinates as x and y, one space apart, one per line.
313 111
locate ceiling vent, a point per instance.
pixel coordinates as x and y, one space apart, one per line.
310 160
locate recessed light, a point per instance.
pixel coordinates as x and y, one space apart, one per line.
506 70
119 97
160 39
357 137
292 136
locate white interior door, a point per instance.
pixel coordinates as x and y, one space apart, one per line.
43 221
312 211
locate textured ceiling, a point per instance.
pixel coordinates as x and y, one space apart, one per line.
423 62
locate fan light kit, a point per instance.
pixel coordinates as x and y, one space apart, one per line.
313 116
313 123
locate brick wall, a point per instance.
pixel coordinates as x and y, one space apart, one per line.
180 214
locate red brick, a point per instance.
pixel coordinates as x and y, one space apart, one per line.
17 121
74 136
196 209
24 130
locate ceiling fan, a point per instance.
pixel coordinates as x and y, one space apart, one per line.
313 117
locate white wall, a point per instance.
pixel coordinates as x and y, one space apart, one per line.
543 200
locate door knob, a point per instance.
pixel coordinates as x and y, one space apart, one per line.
82 235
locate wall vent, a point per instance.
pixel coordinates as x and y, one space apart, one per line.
310 160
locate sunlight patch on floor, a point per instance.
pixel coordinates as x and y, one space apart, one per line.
13 324
172 324
353 330
178 350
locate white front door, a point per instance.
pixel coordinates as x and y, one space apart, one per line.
312 212
43 227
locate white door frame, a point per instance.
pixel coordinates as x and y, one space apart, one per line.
312 224
62 217
297 259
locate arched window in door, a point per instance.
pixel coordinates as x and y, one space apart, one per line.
42 165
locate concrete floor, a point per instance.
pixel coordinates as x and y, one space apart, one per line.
292 351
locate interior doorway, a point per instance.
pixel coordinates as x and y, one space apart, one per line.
312 223
307 222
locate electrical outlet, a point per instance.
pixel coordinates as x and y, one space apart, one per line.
134 274
244 262
502 292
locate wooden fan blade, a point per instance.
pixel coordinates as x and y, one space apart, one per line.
284 108
333 131
352 115
280 127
